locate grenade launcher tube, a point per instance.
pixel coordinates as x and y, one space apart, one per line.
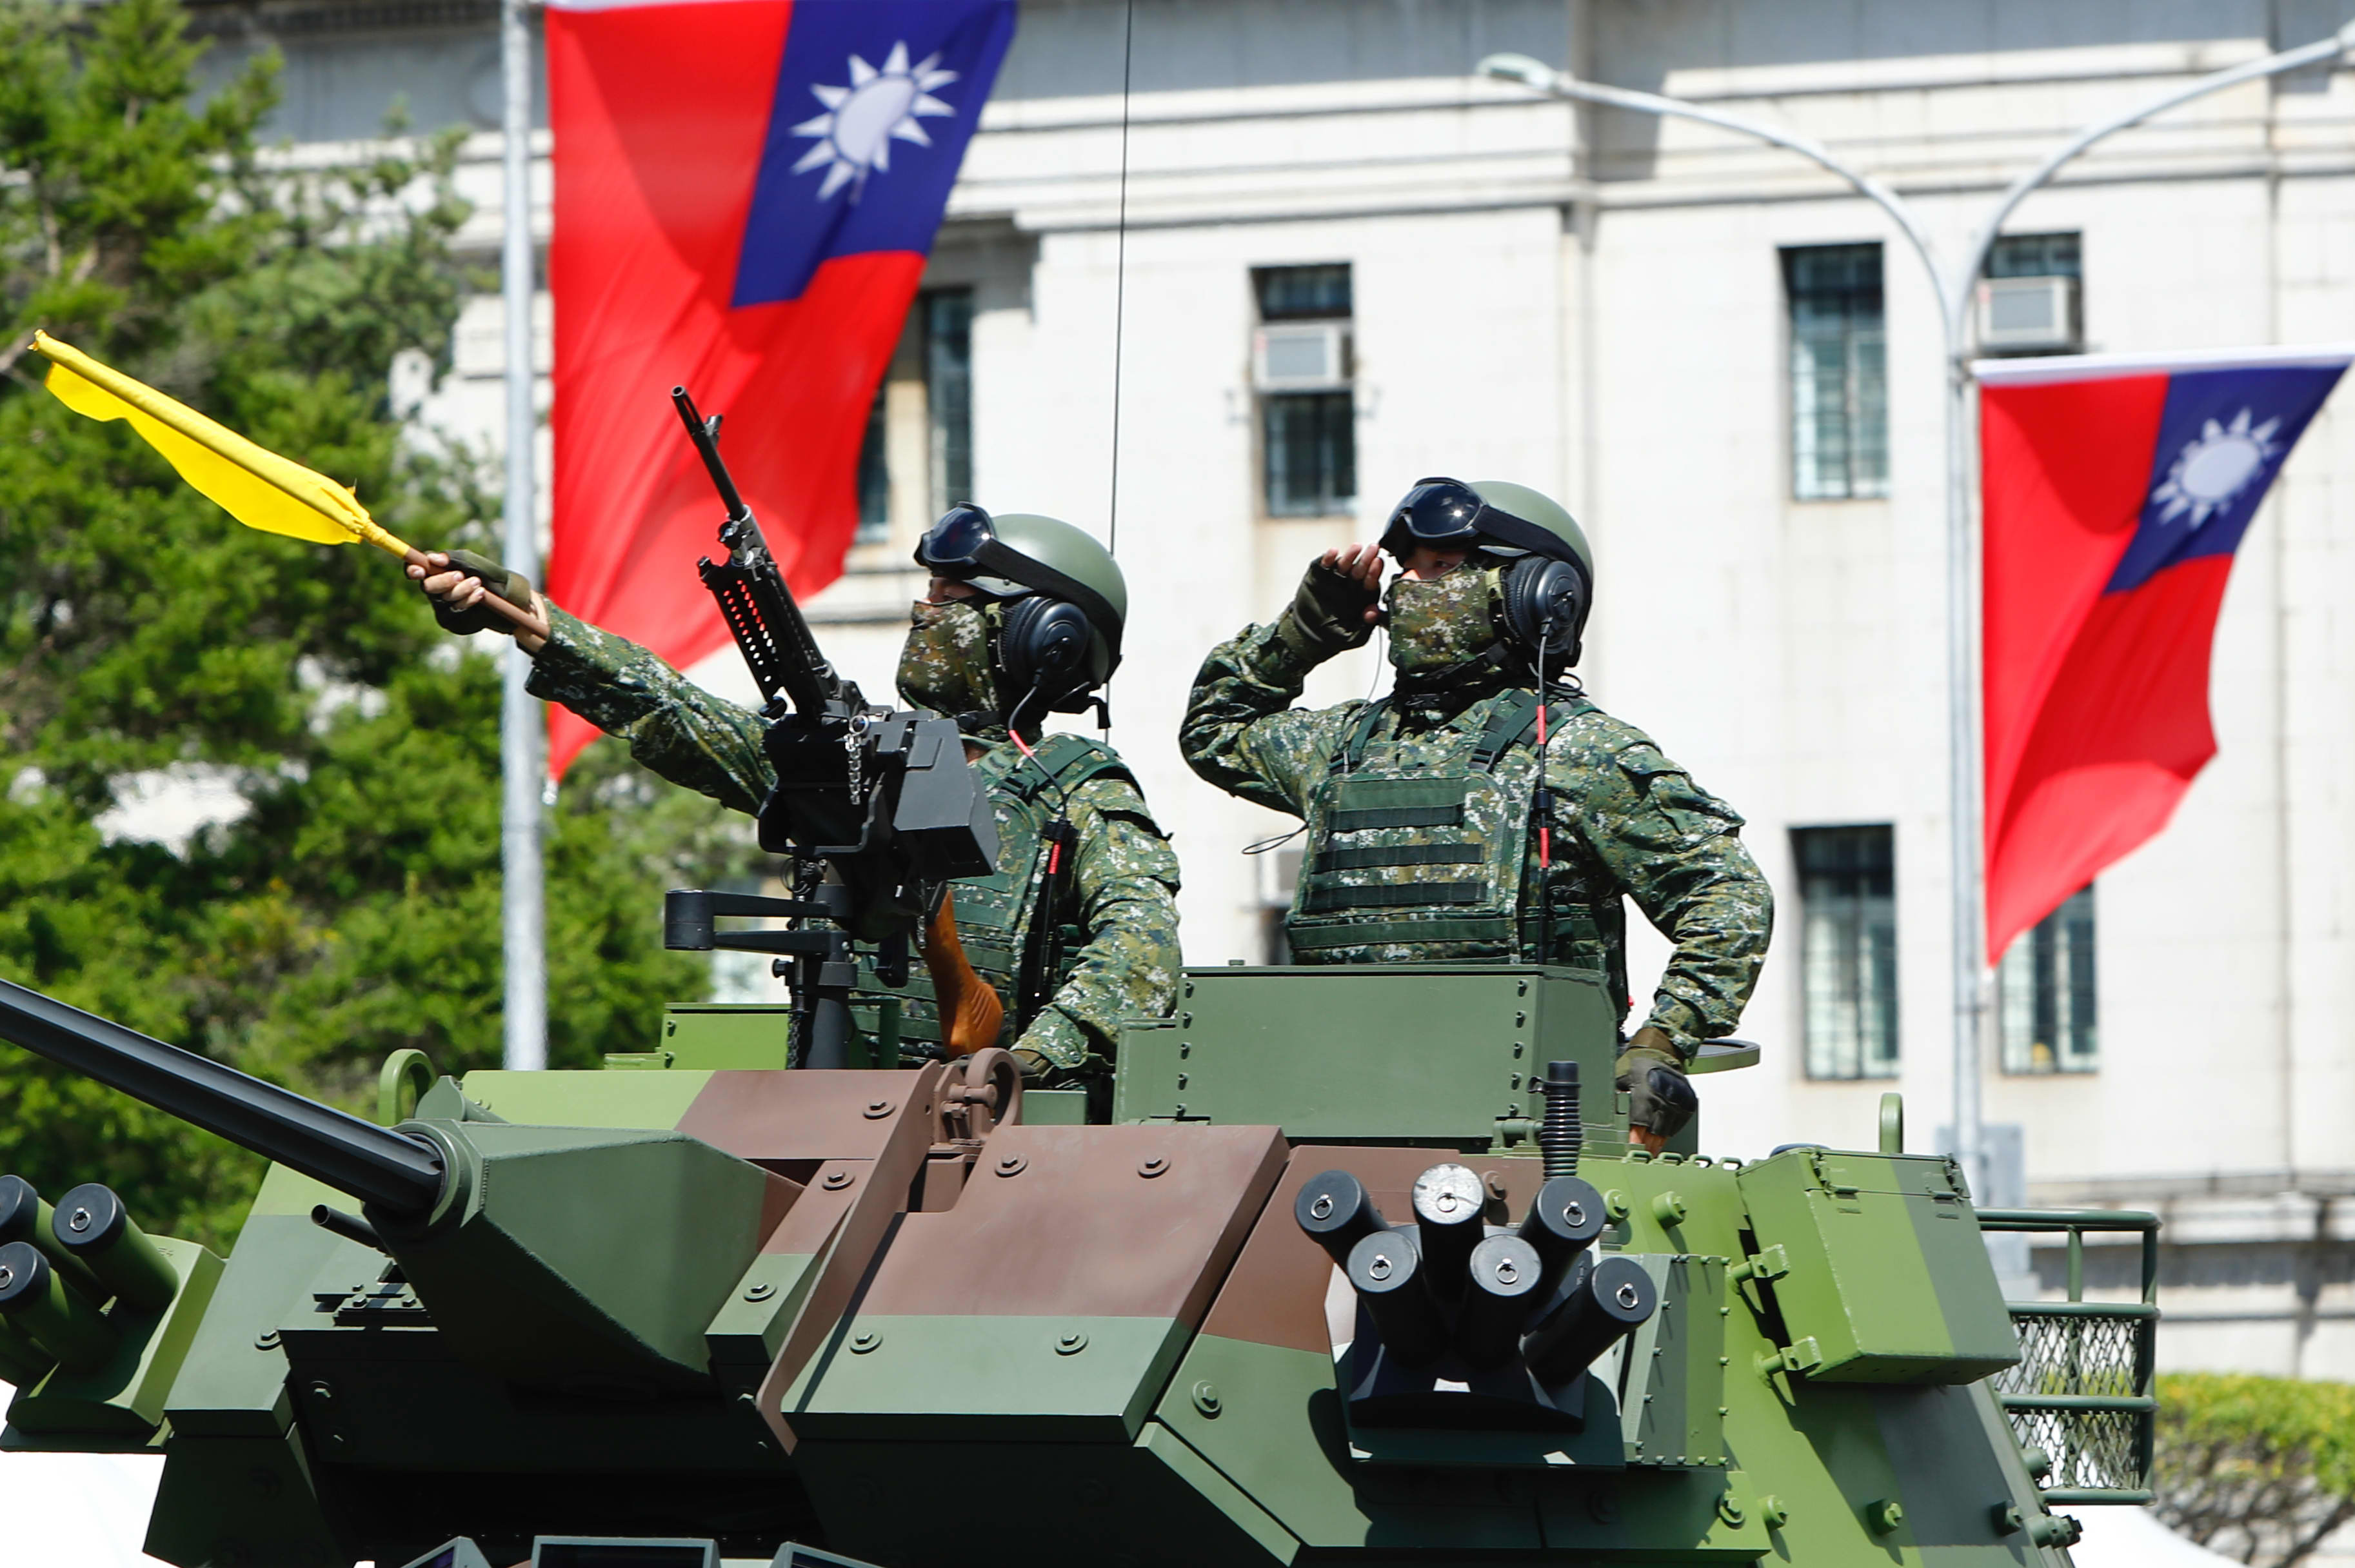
399 1174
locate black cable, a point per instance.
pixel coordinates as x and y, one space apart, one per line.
1120 273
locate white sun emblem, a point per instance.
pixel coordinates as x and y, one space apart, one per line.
863 119
2215 467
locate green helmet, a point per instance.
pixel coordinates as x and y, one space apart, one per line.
1548 574
1534 506
1068 601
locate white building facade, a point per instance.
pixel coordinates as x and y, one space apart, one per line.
1336 262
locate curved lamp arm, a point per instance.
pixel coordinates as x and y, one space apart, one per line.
1536 73
2316 53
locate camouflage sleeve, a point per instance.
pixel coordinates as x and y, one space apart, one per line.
1241 732
675 728
1677 851
1126 881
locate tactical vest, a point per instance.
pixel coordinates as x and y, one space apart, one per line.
1421 849
995 915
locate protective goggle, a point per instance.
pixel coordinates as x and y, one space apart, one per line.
1447 514
958 541
963 544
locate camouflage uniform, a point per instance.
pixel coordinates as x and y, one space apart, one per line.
1123 958
1419 843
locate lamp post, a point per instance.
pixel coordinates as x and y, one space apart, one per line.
1953 287
523 770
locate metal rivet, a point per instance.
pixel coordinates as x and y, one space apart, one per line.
1071 1344
836 1181
878 1109
1153 1166
1775 1511
1884 1516
1184 1049
1729 1509
759 1292
1011 1165
265 1340
865 1339
1206 1398
323 1390
1181 1080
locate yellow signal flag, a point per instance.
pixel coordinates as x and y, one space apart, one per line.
251 483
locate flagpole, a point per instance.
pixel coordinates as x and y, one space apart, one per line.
1972 974
522 738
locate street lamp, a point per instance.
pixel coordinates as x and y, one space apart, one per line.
1953 288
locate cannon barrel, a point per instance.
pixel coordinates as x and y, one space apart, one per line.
396 1174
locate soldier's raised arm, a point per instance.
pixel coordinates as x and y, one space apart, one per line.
1240 731
675 728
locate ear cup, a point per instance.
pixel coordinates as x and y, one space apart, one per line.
1545 600
1045 645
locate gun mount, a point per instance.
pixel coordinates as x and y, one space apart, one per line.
883 798
1328 1286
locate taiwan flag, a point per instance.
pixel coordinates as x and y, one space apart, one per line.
745 194
2116 490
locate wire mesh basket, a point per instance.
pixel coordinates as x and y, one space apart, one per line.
2081 1394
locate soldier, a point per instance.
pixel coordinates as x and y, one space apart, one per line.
1456 818
1023 616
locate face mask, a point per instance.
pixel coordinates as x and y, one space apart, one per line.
1437 624
945 664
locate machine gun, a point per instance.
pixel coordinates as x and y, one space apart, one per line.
880 798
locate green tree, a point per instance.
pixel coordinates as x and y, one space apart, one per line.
2261 1469
352 908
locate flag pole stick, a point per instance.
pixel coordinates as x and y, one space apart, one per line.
522 765
1954 288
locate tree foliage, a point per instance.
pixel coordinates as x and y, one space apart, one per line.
2261 1469
354 907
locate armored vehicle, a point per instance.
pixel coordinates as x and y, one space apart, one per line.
1361 1267
1353 1265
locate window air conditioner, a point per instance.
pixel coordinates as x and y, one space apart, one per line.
1304 357
2028 312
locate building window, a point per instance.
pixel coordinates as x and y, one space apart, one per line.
1839 374
2044 993
916 459
1301 368
1848 949
948 394
875 470
2037 256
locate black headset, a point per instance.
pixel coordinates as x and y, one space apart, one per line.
1043 648
1546 600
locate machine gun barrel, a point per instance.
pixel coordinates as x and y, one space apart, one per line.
760 610
397 1174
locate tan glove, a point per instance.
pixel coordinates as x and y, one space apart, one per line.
512 586
1660 1098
